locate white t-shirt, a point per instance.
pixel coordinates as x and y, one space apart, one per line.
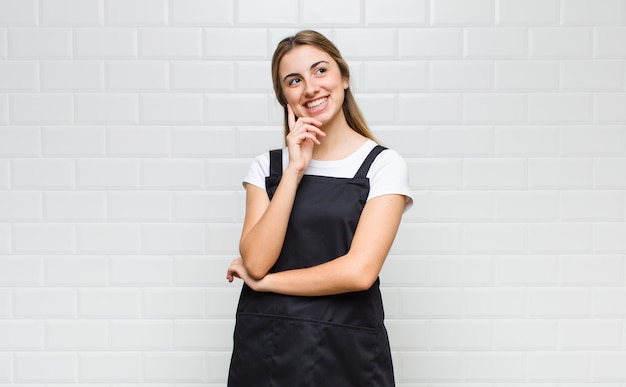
387 175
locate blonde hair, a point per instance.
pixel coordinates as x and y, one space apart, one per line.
354 116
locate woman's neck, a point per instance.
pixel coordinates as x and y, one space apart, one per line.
340 142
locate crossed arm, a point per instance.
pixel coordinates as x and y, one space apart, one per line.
264 231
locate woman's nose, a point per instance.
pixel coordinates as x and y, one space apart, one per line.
311 88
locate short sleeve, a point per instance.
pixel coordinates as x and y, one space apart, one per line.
258 170
389 175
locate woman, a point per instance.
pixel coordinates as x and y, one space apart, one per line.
321 216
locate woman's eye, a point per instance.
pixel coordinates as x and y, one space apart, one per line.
321 70
294 81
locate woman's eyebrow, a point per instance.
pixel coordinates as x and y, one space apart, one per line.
311 68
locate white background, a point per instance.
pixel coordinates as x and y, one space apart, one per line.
126 127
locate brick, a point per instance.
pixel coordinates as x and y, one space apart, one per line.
110 367
526 140
74 12
19 76
609 302
21 335
252 76
530 12
173 303
111 303
205 335
316 12
107 108
221 303
40 43
202 13
45 367
455 335
396 12
197 270
557 366
526 270
526 206
139 141
177 174
608 366
40 238
76 335
608 107
395 76
205 207
108 238
203 140
139 206
492 43
609 238
179 43
461 141
137 76
560 42
223 238
563 238
100 43
220 108
429 238
41 108
559 302
430 303
560 173
172 108
179 366
453 76
407 140
584 206
431 366
495 367
607 42
586 12
460 206
380 42
525 334
20 206
378 108
6 367
413 271
435 174
274 12
512 75
81 270
492 108
494 302
249 43
500 174
173 238
44 303
21 271
587 270
586 335
609 173
429 108
21 13
20 141
597 75
226 174
141 270
430 43
73 141
141 335
136 12
110 174
4 109
408 334
3 43
252 141
5 238
74 206
504 238
450 12
206 76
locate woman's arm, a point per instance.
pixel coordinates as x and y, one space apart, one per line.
355 271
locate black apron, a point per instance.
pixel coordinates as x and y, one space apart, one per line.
327 341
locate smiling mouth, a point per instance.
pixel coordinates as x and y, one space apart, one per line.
316 103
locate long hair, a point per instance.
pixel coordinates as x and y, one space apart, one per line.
354 116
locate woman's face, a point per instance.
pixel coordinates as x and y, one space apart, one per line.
312 83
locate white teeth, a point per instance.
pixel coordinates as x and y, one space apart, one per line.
316 103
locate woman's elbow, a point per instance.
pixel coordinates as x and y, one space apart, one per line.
254 271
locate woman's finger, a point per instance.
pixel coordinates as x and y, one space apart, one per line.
291 117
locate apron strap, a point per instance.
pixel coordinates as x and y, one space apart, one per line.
276 163
367 163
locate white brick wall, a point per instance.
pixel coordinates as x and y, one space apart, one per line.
126 127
